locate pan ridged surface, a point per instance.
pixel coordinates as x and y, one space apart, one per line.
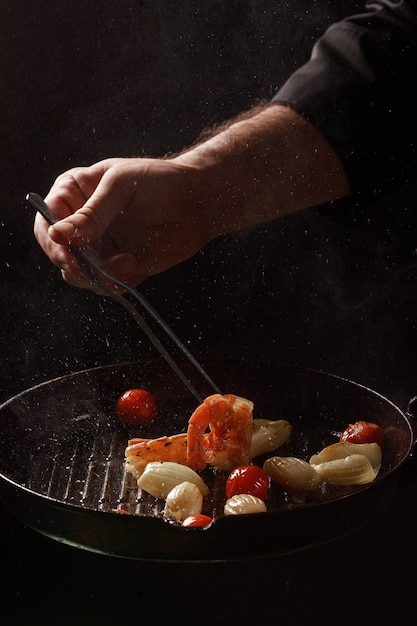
62 452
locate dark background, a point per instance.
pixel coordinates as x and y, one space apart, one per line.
81 81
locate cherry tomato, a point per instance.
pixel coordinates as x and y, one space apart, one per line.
249 479
197 520
136 406
363 432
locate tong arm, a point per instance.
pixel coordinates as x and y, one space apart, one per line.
96 271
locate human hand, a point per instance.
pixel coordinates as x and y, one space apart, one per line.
143 216
139 215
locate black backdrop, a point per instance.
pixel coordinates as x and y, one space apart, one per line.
81 81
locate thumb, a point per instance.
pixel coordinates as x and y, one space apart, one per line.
89 222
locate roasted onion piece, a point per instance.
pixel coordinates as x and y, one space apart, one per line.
355 469
244 503
182 501
268 435
292 473
160 477
340 450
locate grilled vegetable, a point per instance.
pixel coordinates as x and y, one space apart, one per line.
249 479
160 477
244 503
363 432
182 501
197 520
341 450
355 469
292 473
268 435
136 406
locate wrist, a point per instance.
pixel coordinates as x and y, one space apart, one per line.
218 186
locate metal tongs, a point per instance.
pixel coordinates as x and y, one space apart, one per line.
98 274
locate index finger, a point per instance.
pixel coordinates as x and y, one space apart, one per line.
72 189
69 192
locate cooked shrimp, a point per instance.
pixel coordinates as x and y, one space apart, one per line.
227 444
140 452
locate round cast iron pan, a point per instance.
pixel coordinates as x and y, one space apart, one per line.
62 451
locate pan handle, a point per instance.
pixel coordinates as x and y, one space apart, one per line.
410 470
411 414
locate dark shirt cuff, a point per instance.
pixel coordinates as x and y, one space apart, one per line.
359 90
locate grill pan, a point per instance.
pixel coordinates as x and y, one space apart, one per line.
62 450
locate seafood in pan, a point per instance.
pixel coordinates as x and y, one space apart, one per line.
221 433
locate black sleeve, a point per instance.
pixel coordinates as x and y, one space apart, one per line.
360 89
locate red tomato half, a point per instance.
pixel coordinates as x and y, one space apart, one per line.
363 432
197 520
136 406
249 479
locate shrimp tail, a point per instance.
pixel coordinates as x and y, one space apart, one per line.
140 452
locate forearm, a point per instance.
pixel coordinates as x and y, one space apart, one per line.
261 167
267 164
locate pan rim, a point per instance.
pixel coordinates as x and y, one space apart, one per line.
223 521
